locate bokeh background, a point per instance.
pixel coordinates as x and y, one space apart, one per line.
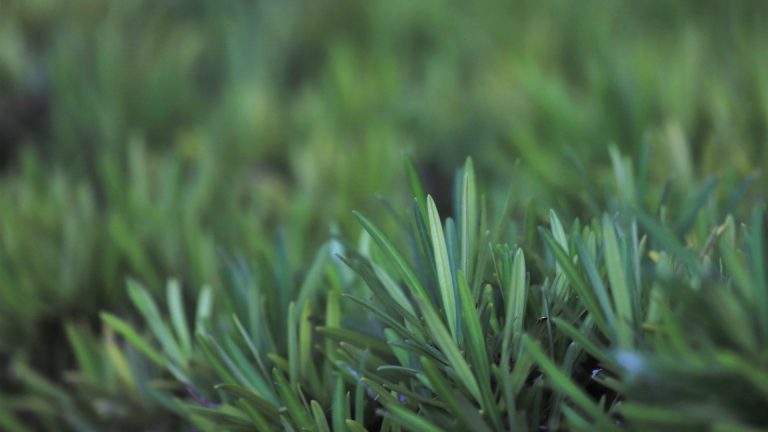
146 139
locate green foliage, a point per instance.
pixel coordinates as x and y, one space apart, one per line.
604 328
140 139
109 384
261 349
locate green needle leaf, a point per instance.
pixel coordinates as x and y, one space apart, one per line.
448 345
125 330
393 255
442 264
622 297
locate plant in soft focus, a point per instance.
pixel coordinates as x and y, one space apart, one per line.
112 387
259 361
140 139
628 321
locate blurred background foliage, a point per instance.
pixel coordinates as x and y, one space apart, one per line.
142 138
